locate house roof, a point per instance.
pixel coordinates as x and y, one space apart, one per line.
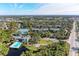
23 31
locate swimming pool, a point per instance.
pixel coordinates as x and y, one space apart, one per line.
16 45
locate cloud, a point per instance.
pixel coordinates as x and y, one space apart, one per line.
58 9
17 12
47 9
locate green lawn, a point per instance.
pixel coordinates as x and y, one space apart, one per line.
41 41
32 47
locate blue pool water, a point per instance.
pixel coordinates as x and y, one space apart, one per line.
16 45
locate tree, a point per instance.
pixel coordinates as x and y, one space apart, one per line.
54 49
35 37
12 25
29 24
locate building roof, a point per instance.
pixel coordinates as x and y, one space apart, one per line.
23 31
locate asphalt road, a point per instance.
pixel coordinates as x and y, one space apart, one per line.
72 41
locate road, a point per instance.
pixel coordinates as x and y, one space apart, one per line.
74 44
72 41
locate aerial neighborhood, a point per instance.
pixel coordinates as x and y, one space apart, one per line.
39 35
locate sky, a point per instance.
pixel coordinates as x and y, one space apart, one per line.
39 9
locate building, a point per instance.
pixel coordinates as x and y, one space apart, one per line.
20 37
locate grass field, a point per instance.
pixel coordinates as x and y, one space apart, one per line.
31 47
44 41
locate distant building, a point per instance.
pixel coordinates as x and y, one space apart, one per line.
4 21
